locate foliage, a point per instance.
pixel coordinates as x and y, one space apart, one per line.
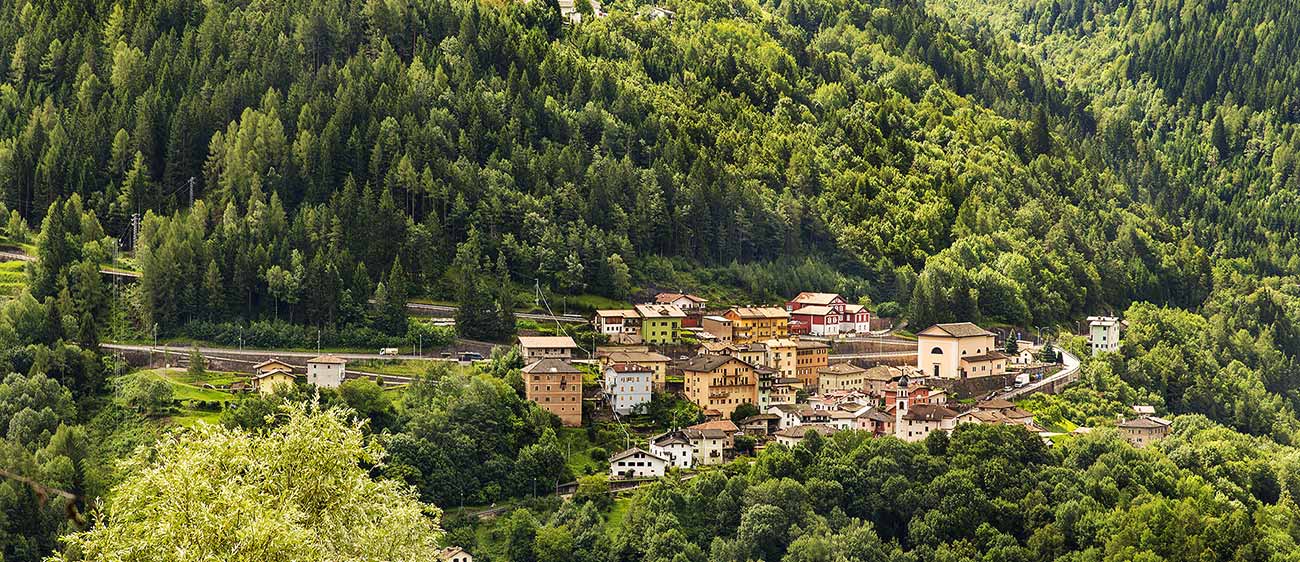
300 491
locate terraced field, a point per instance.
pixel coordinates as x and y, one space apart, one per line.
12 278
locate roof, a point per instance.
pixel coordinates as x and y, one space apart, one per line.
841 369
716 318
881 373
929 412
1144 409
546 341
759 418
270 362
272 373
809 344
668 298
619 312
811 298
550 365
633 451
799 431
760 312
330 359
995 404
694 434
815 310
985 357
659 311
1145 422
637 357
880 416
956 330
854 308
628 368
1018 414
1103 320
781 342
722 425
449 552
669 438
706 363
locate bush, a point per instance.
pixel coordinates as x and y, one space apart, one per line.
280 334
144 394
598 454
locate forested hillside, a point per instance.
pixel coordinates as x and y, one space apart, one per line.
454 141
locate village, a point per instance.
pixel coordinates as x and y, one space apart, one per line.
774 362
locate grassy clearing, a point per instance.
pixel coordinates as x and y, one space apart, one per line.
186 390
574 442
398 367
13 277
617 514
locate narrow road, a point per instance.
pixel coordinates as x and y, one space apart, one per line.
1070 368
446 309
228 351
873 355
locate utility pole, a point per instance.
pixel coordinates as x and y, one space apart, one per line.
191 182
135 229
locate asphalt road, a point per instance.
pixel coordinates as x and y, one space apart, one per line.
249 352
1070 366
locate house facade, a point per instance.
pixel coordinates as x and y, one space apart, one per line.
657 363
810 358
326 371
637 463
533 348
841 376
1103 334
556 386
684 301
758 323
855 318
267 381
816 320
1144 430
628 385
719 326
958 350
719 382
621 326
675 447
782 355
661 324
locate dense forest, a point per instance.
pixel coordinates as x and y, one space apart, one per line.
288 173
855 146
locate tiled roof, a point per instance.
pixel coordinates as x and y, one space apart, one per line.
760 312
668 298
328 359
808 297
842 369
956 330
546 341
633 451
1145 422
799 431
985 357
659 311
929 412
549 365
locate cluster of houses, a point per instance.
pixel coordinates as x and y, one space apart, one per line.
673 315
325 371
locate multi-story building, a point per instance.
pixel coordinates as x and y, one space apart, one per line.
655 362
660 323
637 463
684 301
810 358
556 386
958 351
841 376
719 326
622 326
782 355
757 323
915 422
815 320
1103 333
719 382
627 386
326 371
534 348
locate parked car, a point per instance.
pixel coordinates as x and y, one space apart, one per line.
388 351
1006 389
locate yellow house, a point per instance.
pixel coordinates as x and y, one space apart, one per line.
812 357
267 381
660 323
656 363
782 355
719 382
957 351
757 323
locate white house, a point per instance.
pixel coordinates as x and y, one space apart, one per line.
686 302
914 423
326 371
546 347
621 326
675 447
627 386
637 463
707 445
1103 333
